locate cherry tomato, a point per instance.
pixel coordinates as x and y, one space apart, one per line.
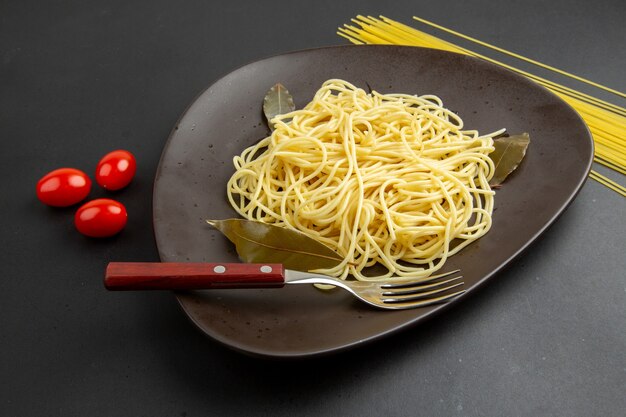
63 187
116 170
102 217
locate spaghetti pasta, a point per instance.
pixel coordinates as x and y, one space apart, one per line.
606 121
389 179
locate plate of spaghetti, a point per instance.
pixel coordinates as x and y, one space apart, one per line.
385 160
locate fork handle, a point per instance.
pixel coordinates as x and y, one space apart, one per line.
191 276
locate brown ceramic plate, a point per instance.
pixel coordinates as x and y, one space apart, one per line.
226 118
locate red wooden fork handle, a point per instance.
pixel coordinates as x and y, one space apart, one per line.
191 276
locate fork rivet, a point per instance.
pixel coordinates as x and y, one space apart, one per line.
266 269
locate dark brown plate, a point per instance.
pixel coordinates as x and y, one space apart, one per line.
226 118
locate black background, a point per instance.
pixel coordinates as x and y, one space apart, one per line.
79 79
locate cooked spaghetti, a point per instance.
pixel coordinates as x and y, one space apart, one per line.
389 179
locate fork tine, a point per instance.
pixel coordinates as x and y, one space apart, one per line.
422 303
419 295
420 288
411 283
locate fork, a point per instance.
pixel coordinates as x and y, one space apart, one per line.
395 295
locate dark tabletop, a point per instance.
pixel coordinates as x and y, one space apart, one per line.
79 79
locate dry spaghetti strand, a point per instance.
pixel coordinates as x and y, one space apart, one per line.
606 121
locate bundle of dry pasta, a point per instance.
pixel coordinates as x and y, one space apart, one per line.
606 121
389 179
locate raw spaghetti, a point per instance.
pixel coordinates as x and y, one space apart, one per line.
389 179
606 121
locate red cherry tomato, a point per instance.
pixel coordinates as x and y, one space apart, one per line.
63 187
101 218
116 170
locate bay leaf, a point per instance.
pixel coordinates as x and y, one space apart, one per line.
508 154
258 242
277 101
